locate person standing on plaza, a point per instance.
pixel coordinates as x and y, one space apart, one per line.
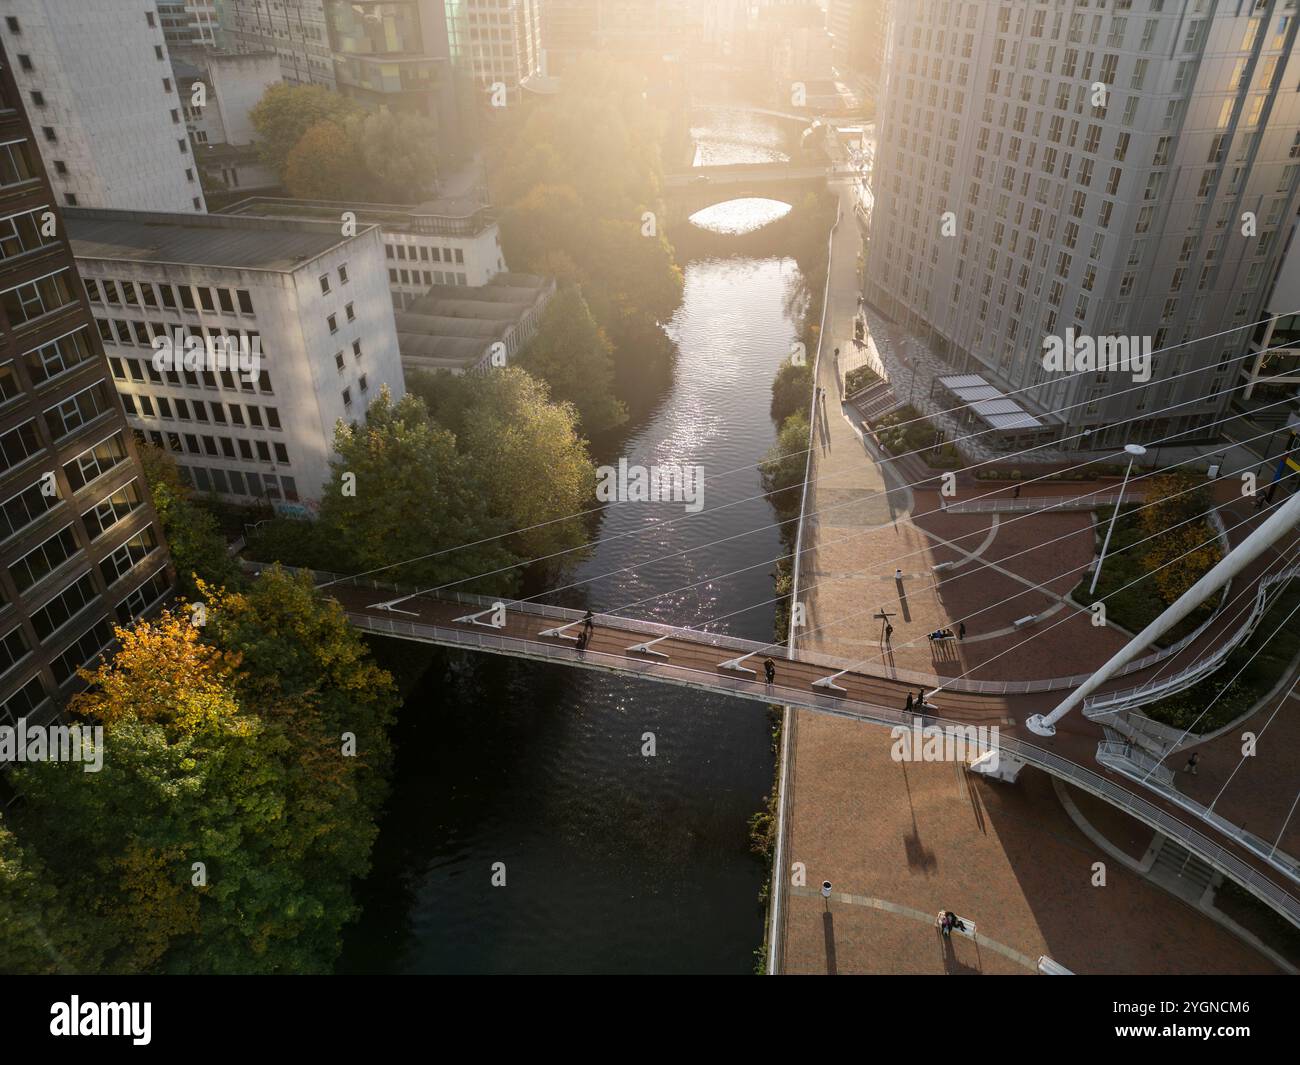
961 630
1192 762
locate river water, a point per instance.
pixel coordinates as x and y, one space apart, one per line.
614 862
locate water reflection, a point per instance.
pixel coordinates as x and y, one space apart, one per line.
740 216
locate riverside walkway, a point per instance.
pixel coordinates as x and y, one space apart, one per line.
921 836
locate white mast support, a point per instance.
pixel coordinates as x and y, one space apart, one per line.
473 619
645 648
1236 560
391 605
829 682
734 664
560 631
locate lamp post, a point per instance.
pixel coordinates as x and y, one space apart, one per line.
1135 451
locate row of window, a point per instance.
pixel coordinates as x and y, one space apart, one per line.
23 441
35 299
200 411
171 297
235 448
237 483
427 254
23 233
430 277
127 369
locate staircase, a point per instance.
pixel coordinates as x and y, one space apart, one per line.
1181 872
875 401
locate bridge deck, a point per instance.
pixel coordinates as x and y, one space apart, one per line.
694 660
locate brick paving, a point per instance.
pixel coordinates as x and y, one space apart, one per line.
930 836
926 837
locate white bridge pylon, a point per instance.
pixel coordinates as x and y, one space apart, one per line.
1279 523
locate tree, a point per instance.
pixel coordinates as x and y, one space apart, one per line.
573 356
232 747
286 112
533 465
192 534
325 164
31 913
400 156
400 490
783 468
186 777
791 390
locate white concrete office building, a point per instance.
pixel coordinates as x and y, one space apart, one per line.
1015 201
97 83
315 302
441 242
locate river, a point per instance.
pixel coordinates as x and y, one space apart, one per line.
614 862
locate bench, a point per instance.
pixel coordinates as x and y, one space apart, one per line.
1047 967
946 634
968 931
1028 619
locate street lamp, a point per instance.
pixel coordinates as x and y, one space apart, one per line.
1135 451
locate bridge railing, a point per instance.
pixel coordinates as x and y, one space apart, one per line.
1131 698
742 646
1031 754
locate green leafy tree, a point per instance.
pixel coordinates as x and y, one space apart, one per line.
325 164
286 112
31 913
791 390
534 467
573 356
399 489
782 469
197 547
400 156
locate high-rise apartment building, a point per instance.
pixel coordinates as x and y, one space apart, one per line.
80 546
504 43
861 32
292 29
1127 169
411 56
97 83
189 23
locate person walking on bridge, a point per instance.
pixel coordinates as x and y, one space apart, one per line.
769 671
588 624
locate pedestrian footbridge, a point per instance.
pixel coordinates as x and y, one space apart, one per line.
727 665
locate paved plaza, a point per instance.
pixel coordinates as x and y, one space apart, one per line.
900 841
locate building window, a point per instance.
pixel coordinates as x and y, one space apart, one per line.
333 322
25 62
12 23
324 284
356 348
338 360
347 397
351 314
48 133
343 274
38 98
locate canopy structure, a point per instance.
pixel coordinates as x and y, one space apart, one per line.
988 403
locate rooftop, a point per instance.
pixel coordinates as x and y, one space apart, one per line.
280 245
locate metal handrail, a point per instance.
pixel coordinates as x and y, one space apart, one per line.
1141 694
1030 754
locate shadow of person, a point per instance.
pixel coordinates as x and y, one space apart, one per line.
952 965
828 934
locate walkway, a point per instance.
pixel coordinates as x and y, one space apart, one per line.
840 778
